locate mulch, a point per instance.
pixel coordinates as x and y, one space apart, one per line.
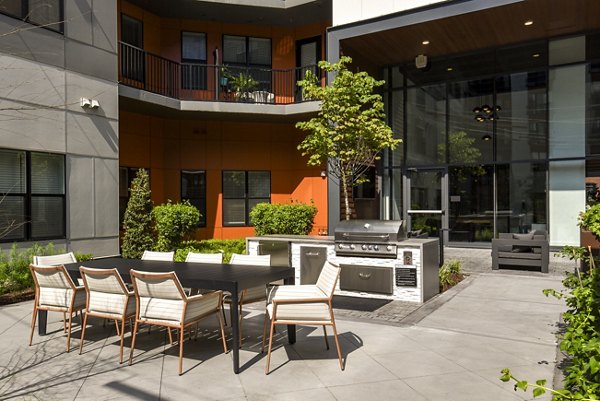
17 296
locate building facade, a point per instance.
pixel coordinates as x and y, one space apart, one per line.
497 106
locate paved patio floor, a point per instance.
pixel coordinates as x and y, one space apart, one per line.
453 351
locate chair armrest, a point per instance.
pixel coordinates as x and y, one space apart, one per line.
299 300
206 297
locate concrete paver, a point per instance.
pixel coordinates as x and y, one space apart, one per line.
453 352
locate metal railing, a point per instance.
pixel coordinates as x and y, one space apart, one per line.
222 83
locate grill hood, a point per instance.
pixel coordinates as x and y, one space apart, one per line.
369 231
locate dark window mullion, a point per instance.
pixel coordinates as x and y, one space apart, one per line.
27 217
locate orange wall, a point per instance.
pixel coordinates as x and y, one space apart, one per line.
167 146
162 36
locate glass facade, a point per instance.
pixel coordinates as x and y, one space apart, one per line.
485 124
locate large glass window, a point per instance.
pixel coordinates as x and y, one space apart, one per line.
426 125
193 189
193 60
32 193
45 13
521 192
242 190
249 56
521 124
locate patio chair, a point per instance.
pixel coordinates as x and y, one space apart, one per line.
249 295
200 258
55 291
308 304
108 298
161 301
164 256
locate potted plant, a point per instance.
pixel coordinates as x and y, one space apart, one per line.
243 84
589 221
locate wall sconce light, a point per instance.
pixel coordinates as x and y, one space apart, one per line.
88 103
485 112
323 174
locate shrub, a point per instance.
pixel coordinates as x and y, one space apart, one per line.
174 223
227 247
590 220
137 222
292 218
14 265
450 274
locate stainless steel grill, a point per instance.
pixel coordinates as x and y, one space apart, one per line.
371 238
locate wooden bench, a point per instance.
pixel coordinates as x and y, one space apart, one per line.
530 250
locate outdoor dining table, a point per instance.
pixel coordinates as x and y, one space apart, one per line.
211 276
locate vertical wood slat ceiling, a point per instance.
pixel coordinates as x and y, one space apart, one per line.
478 30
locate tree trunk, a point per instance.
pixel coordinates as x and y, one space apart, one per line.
346 200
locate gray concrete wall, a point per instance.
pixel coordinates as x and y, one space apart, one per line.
43 74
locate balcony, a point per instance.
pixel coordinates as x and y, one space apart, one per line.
213 83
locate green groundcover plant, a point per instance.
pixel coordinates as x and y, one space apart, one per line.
581 339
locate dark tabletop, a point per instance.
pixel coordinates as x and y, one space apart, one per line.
196 275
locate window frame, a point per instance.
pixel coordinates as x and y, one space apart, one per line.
28 197
202 210
246 198
58 27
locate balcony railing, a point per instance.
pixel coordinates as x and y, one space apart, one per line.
222 83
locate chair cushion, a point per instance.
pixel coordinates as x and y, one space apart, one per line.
161 309
313 312
61 297
199 306
109 303
523 236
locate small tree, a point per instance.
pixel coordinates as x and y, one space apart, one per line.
174 223
137 223
349 132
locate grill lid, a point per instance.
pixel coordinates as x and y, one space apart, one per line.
369 231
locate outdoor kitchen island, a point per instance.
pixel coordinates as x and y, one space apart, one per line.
408 271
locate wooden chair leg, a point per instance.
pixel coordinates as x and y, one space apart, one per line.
325 334
33 318
122 337
135 329
170 336
220 319
181 334
69 330
270 345
64 322
264 333
117 326
223 313
337 345
83 326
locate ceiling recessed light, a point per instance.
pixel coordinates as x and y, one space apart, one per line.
528 23
535 55
449 69
425 42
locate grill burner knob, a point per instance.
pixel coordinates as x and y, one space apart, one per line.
389 248
351 246
341 246
376 247
370 247
364 247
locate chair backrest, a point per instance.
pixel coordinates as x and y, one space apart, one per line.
204 257
53 285
160 295
54 260
328 278
164 256
256 260
106 291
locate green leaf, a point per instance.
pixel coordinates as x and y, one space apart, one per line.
538 391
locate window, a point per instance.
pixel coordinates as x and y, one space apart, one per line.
45 13
32 193
249 55
193 60
133 64
193 189
242 190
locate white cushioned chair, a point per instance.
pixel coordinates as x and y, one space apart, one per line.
55 291
164 256
200 258
54 260
107 297
161 301
249 295
305 305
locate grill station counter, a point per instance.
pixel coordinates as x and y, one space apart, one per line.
377 259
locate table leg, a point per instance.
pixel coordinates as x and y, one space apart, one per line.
235 326
42 322
291 328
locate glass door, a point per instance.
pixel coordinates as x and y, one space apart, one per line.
426 214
